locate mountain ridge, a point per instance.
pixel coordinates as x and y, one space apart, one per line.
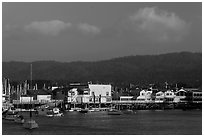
174 67
115 58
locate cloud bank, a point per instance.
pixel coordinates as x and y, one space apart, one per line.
158 25
52 28
149 23
86 28
55 27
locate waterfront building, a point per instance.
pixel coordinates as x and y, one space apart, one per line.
36 97
100 93
126 99
3 98
180 96
145 96
60 93
26 99
169 96
89 93
135 92
197 96
43 98
159 97
78 95
53 87
72 95
194 95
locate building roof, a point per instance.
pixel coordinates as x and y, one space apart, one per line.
38 92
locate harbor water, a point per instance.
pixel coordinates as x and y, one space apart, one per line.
142 122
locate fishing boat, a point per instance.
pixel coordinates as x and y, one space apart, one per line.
114 112
83 111
55 112
19 119
93 110
10 115
128 111
30 123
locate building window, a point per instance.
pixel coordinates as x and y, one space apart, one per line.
108 99
97 99
90 99
107 93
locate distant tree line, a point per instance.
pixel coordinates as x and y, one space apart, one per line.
183 69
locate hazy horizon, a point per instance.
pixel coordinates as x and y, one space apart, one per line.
103 59
96 31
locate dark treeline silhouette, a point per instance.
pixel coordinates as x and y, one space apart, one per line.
184 68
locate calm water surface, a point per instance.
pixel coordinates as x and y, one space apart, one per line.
146 122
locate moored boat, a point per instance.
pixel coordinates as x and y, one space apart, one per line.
19 119
10 115
83 111
114 112
128 111
55 112
30 124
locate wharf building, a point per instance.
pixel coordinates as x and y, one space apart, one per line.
90 95
75 95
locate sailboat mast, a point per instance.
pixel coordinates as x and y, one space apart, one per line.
31 78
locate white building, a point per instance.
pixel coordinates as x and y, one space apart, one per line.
3 98
194 94
72 95
55 87
169 96
126 98
145 96
26 99
75 97
159 97
44 98
180 96
100 92
95 93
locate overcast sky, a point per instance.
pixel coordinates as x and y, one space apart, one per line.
98 31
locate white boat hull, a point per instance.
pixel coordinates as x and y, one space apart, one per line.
20 121
55 115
